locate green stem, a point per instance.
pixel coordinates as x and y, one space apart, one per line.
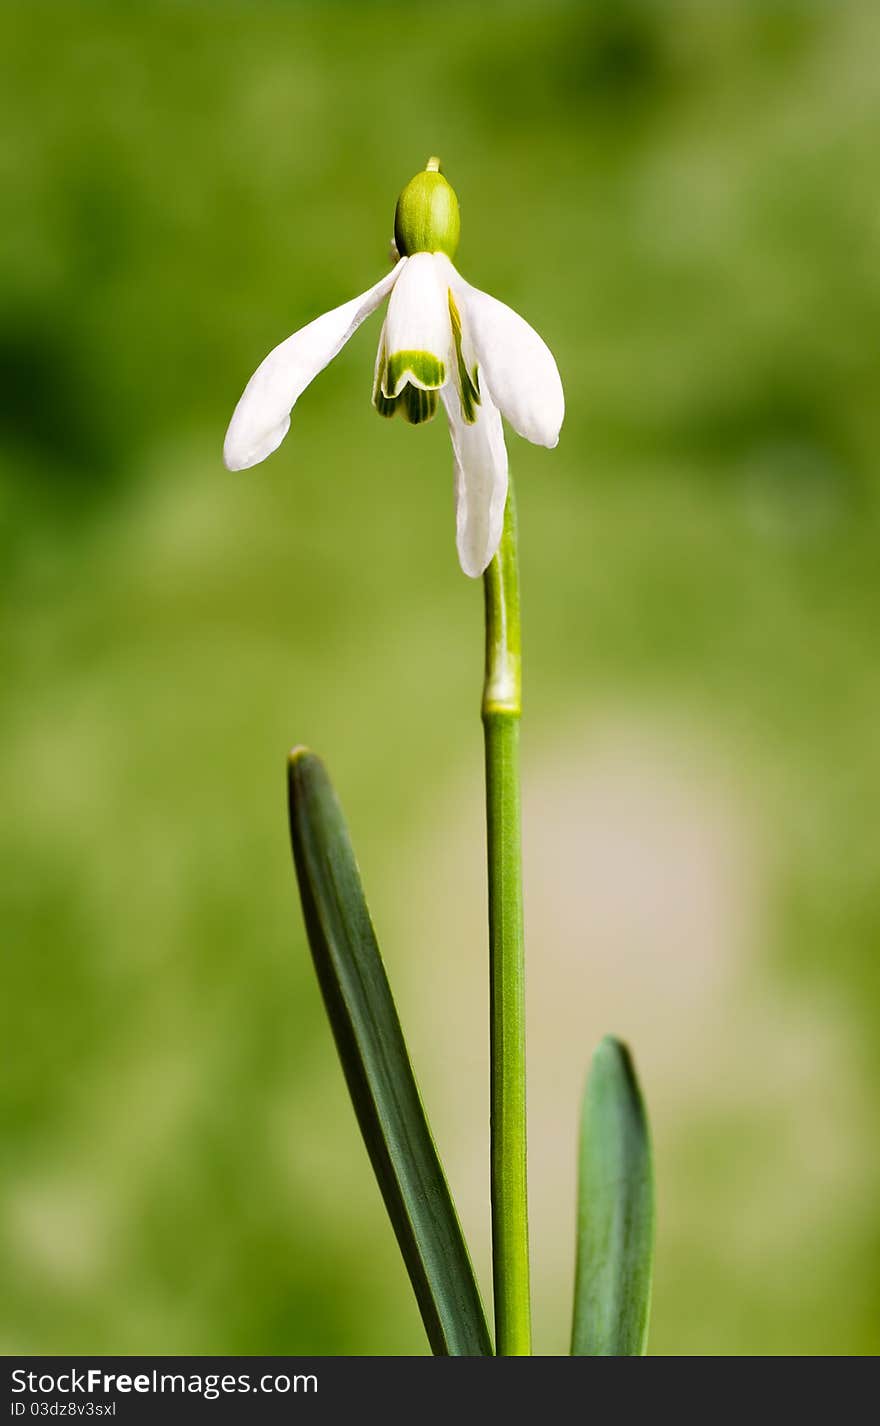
502 703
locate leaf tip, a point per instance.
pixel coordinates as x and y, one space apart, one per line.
616 1210
301 763
612 1059
306 777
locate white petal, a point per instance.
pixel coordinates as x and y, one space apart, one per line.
262 417
417 330
515 364
480 481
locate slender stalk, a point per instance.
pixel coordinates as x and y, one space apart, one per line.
502 703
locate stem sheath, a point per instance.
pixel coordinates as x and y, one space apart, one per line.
502 705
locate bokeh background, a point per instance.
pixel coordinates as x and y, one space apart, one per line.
683 199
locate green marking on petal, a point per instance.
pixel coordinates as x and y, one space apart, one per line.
394 390
416 405
385 405
468 385
419 368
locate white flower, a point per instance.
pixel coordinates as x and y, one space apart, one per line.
441 339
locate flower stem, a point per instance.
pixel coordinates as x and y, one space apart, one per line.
502 703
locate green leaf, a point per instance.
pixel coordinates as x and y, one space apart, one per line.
615 1249
377 1067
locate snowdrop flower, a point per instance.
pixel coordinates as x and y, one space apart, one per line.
442 340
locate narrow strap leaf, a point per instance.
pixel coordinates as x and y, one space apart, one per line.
377 1067
615 1244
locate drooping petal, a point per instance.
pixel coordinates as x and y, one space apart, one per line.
262 417
515 364
417 330
480 480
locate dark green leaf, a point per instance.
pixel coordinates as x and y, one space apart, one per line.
615 1247
377 1067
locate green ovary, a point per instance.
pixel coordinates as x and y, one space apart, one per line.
427 218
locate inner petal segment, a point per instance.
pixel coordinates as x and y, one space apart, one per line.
467 376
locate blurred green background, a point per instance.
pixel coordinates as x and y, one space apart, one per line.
683 199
